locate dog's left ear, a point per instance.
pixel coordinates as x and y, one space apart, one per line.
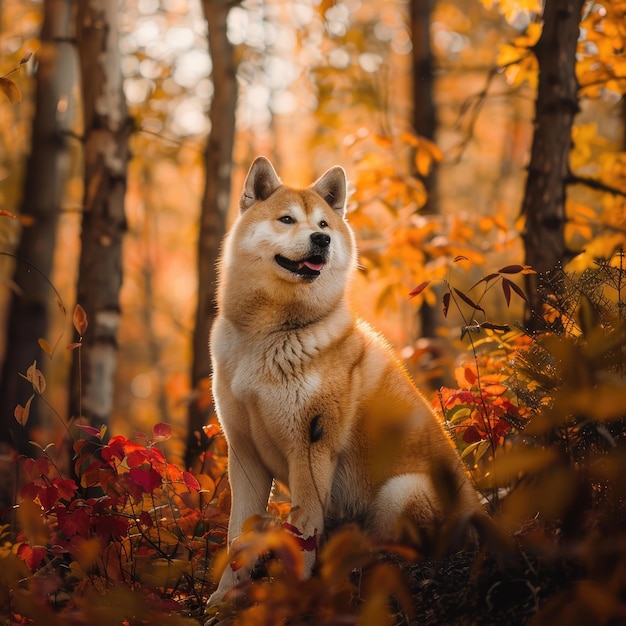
333 187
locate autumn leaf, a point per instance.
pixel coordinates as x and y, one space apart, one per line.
22 413
89 430
32 556
79 319
445 301
10 90
191 482
468 300
509 284
161 432
45 346
417 290
506 289
36 378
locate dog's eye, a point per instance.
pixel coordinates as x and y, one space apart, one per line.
323 224
287 219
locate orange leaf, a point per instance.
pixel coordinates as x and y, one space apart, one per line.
10 90
36 378
22 413
45 346
79 319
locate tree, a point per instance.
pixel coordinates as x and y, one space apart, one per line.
215 204
53 127
548 171
107 130
424 116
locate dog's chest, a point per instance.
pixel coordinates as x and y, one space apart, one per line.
279 375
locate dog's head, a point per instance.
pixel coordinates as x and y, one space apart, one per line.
285 236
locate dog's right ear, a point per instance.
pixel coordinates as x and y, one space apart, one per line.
261 182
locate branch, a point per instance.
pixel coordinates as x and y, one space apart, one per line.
594 183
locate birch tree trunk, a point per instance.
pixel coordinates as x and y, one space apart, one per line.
54 124
107 130
548 171
215 204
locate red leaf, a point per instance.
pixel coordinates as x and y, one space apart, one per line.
417 290
506 289
519 291
191 482
162 431
89 430
468 300
32 556
511 269
75 522
48 497
470 375
148 479
145 519
137 458
73 346
446 303
67 488
112 526
471 435
485 279
79 319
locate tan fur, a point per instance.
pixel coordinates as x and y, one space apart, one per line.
309 395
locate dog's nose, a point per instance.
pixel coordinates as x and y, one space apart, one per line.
321 239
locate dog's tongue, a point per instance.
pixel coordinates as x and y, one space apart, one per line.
316 267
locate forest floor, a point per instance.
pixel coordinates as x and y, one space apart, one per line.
468 589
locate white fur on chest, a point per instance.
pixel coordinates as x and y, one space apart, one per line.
278 373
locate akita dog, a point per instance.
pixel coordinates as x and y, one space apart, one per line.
310 395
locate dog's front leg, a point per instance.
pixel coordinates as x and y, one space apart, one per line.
250 484
310 482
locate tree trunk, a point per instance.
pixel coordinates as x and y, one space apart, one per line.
215 205
424 119
548 171
53 125
107 130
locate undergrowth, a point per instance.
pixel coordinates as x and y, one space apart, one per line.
125 537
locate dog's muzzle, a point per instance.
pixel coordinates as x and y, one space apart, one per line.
311 266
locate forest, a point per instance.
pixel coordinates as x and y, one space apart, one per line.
485 147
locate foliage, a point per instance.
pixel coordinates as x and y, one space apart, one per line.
122 520
541 420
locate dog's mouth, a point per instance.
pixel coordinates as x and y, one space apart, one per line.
309 268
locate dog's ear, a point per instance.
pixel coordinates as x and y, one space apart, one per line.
261 182
333 187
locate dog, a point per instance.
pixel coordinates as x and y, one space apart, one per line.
308 394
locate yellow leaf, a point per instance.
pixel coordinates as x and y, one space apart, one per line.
45 346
